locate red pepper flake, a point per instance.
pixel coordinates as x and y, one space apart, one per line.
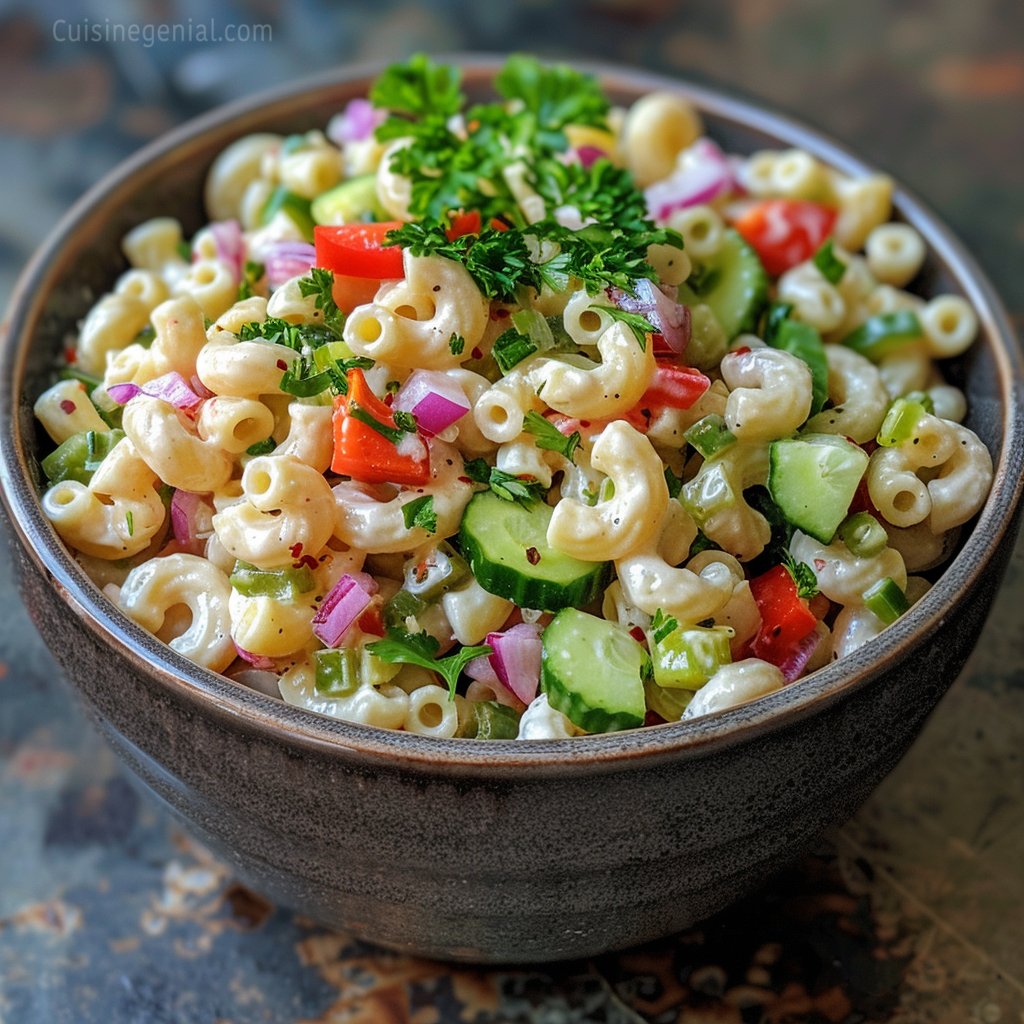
68 406
282 365
532 556
499 314
296 550
638 634
584 423
741 351
306 560
477 353
819 564
70 355
464 480
389 399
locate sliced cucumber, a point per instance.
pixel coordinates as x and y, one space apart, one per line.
349 202
688 656
668 703
591 670
507 549
734 285
884 334
813 479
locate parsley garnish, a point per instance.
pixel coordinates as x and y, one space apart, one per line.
778 313
130 519
549 436
662 625
320 283
393 434
477 470
527 490
420 512
420 649
803 575
832 268
639 325
456 344
418 88
405 421
261 447
392 387
511 348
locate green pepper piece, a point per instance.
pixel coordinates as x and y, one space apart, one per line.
900 422
286 584
80 455
400 607
337 672
710 435
689 656
863 535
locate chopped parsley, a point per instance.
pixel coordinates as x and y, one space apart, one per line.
420 512
320 283
401 647
526 490
549 436
675 483
511 348
662 625
251 276
130 519
261 447
804 577
456 344
477 470
639 325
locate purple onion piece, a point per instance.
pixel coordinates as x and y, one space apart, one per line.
516 659
339 609
793 667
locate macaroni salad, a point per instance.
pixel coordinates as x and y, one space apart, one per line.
536 418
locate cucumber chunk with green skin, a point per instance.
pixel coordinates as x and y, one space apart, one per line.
884 334
736 287
668 703
489 720
813 479
687 657
349 202
283 201
591 669
507 549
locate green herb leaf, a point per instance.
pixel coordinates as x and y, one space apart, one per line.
251 275
675 483
662 625
510 349
832 268
184 251
803 575
419 88
320 283
420 512
456 344
393 434
261 447
130 518
549 436
477 470
639 325
526 490
420 649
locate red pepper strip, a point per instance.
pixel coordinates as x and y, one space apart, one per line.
365 454
464 223
785 619
785 232
349 292
358 250
674 387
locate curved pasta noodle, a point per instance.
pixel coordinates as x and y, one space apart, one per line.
859 399
770 393
157 586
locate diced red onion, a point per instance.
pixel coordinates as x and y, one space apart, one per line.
256 660
588 154
793 667
200 388
184 506
672 319
516 659
285 260
434 398
171 387
481 670
227 236
346 601
355 123
704 176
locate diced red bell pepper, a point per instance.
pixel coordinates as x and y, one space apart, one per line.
358 250
349 292
785 232
464 223
785 618
674 386
362 452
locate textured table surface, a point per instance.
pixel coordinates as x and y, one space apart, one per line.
914 911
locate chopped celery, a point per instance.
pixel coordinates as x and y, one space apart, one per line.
669 704
863 535
900 422
330 352
80 455
283 201
709 492
533 327
489 720
687 657
439 571
710 435
884 334
886 600
285 584
337 671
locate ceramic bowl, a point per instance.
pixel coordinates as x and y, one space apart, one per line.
500 851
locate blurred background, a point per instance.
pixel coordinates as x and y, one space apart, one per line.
912 912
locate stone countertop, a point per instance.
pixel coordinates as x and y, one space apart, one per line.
913 911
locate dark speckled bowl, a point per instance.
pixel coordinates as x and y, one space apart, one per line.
498 851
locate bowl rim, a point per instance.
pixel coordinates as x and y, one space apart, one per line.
249 710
